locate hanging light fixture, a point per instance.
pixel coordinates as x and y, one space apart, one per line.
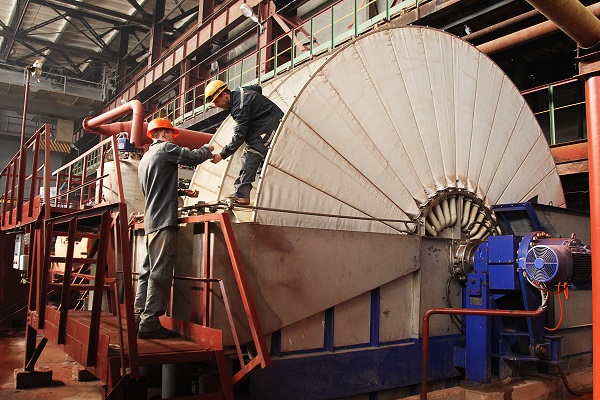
248 13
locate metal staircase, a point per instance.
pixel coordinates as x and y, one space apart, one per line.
82 301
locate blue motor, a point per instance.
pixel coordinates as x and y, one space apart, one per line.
553 260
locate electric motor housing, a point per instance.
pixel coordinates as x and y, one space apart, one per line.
554 260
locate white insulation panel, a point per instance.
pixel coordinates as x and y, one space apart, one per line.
382 125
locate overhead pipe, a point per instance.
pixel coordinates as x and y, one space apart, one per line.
460 311
572 18
186 138
534 32
137 127
501 25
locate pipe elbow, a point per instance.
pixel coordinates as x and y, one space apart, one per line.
137 108
86 125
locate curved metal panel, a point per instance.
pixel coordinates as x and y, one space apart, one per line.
385 124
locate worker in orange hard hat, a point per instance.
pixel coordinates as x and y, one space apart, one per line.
163 123
256 119
158 176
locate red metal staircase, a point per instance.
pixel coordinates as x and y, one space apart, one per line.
84 302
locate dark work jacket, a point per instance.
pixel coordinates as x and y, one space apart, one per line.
158 176
256 118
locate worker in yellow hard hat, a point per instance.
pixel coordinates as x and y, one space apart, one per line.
158 176
256 119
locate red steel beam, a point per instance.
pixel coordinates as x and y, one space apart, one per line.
592 94
570 152
186 46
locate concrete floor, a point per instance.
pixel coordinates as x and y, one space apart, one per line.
65 385
64 372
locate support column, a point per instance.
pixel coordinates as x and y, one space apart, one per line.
266 10
206 8
184 85
592 94
156 37
122 61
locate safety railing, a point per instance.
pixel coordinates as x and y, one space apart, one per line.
86 181
560 110
262 357
26 175
325 31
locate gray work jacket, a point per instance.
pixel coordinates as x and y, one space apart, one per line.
158 175
256 118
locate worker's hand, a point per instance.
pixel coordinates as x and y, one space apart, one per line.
188 192
216 158
211 147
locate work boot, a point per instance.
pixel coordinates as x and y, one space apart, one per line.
242 201
160 333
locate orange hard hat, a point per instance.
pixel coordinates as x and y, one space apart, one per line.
161 123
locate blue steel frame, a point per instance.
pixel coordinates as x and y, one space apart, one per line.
329 375
498 278
338 371
502 210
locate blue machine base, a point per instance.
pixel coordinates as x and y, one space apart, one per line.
351 372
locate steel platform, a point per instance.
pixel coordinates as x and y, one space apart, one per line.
196 344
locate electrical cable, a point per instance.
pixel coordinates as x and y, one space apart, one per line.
560 303
456 321
386 221
566 383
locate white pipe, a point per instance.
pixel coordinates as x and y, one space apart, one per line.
477 224
483 228
430 229
440 216
453 210
465 213
446 211
472 215
434 221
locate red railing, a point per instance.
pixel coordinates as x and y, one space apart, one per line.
324 31
84 182
21 201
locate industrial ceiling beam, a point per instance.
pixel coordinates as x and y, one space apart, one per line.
99 40
41 24
95 9
70 22
140 9
158 28
55 46
15 24
184 15
195 40
70 61
35 53
71 12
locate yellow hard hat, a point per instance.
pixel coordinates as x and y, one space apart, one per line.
214 89
161 123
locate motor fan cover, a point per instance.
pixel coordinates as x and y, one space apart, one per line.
549 263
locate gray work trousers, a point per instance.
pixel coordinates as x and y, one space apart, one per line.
251 163
155 276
